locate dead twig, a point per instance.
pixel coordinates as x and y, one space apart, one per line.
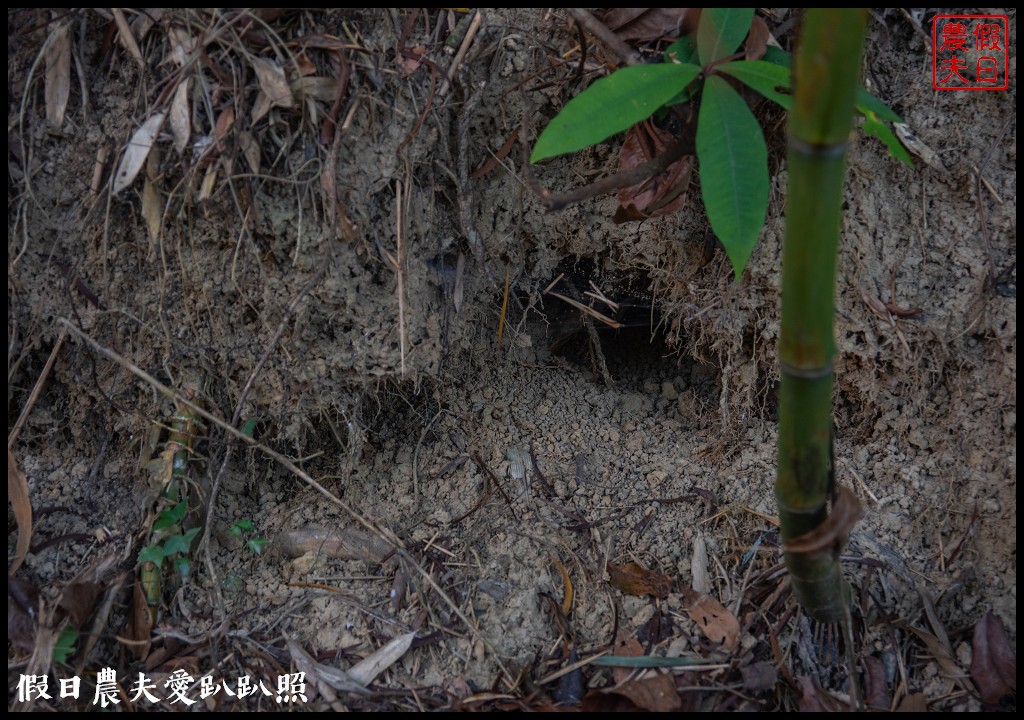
474 25
465 188
330 123
586 310
490 474
12 436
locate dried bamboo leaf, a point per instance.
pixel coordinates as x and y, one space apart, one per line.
699 565
366 670
251 152
273 82
181 117
152 203
17 494
58 74
137 151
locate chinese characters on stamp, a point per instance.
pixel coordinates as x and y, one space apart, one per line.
970 52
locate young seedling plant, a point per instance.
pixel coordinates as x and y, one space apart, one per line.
168 543
244 530
731 150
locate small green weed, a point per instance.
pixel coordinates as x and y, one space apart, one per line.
245 530
65 646
169 543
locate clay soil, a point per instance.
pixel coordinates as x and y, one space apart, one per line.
337 291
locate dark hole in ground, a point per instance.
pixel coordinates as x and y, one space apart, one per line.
624 321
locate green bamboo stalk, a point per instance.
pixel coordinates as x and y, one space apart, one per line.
826 73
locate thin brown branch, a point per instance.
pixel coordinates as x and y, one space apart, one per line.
610 40
327 128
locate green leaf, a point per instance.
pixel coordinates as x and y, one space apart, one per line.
242 526
866 101
65 646
765 77
611 105
733 170
721 31
171 516
180 543
183 566
777 56
249 427
152 553
256 544
878 129
683 50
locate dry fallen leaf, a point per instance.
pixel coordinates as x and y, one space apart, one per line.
366 670
251 152
832 534
17 495
273 82
225 121
626 645
757 40
138 635
701 579
182 44
137 151
209 181
22 599
914 702
647 24
659 195
876 690
915 145
993 661
58 74
947 663
305 65
815 699
715 621
759 676
323 677
317 87
655 693
635 580
181 117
